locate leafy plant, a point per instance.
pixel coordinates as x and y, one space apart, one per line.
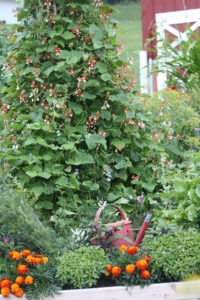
174 131
175 256
179 205
72 135
181 62
22 225
26 272
128 266
82 267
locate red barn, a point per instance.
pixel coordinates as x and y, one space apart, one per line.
151 7
164 17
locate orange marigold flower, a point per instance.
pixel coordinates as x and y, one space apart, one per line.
109 268
19 280
130 268
5 292
147 258
22 269
116 271
19 292
15 255
141 264
45 259
29 259
26 252
28 280
132 250
6 283
37 261
145 274
107 274
14 287
123 248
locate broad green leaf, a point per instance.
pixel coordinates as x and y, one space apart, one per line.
71 57
76 107
197 190
62 181
68 146
44 204
96 33
92 186
38 189
41 141
149 186
29 141
44 174
93 83
32 173
92 140
180 186
106 77
87 95
102 67
81 158
97 44
118 144
123 163
122 201
191 212
105 114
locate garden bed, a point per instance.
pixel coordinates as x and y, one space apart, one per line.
164 291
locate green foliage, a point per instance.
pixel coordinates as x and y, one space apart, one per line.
175 130
182 62
122 259
71 134
82 267
43 274
175 256
22 225
179 203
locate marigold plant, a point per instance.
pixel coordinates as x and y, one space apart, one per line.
22 265
128 266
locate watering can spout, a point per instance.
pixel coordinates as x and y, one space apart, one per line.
143 229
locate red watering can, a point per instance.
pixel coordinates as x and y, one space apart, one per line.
120 232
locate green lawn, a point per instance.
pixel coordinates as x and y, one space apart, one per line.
129 21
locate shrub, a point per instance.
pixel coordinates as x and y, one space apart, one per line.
175 130
82 267
175 256
179 203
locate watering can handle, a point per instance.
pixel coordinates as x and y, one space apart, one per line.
101 208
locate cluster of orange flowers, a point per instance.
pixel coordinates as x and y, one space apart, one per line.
140 264
8 286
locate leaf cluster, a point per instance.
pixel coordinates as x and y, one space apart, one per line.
81 267
175 256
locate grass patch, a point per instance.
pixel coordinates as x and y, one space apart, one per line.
129 21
